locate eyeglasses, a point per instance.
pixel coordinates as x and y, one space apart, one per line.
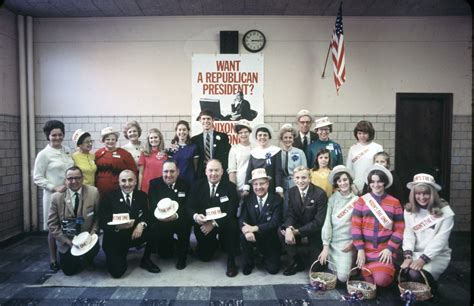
323 130
74 178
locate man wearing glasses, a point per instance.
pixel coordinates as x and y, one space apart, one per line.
305 137
72 212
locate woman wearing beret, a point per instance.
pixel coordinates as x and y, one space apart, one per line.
265 156
377 228
110 161
336 232
132 131
428 224
49 174
83 158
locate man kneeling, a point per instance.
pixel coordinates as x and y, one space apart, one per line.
124 216
260 218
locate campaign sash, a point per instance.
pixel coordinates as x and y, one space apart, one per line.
429 221
346 210
378 211
358 156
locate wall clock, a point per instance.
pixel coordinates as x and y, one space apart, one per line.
254 41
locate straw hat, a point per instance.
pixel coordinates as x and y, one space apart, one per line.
166 208
258 174
381 168
78 135
304 112
339 169
322 122
242 123
118 219
214 213
423 178
109 130
83 243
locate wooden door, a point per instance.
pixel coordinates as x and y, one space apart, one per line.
423 138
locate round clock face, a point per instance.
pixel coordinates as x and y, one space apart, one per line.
253 41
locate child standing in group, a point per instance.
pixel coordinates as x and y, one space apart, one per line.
321 170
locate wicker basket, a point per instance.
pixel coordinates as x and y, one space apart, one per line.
421 291
370 290
329 278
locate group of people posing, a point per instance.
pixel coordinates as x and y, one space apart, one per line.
252 199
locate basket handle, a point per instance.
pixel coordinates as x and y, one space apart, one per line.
363 268
317 260
422 274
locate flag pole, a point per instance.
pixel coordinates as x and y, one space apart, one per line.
326 61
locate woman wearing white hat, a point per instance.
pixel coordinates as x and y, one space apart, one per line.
239 155
428 224
110 161
265 156
323 128
336 231
83 158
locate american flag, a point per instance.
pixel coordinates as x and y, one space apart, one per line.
338 51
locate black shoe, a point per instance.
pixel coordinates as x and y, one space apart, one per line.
181 264
293 268
54 266
148 265
247 269
231 268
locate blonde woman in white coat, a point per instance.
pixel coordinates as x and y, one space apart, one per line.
428 224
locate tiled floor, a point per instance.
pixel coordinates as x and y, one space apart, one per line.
24 269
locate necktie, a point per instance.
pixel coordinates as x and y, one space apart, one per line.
213 191
305 143
170 186
260 204
286 164
128 200
303 197
76 203
208 146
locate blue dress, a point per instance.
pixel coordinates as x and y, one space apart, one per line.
184 156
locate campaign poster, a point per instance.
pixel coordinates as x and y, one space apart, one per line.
231 87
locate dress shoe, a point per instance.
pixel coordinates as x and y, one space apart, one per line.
148 265
293 268
247 269
231 268
181 264
54 266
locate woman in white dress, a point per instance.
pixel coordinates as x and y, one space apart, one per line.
336 233
239 155
428 224
49 173
361 154
132 131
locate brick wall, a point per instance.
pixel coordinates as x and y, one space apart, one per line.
11 202
342 132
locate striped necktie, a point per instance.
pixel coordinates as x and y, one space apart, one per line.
208 146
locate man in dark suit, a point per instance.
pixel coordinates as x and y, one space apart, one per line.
307 207
241 109
305 137
119 238
261 216
214 191
77 206
210 144
175 188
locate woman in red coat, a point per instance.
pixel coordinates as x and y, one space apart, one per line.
110 161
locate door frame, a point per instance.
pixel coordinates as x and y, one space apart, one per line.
446 133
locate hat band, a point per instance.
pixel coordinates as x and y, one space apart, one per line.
121 218
164 210
85 243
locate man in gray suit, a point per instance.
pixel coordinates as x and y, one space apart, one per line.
72 212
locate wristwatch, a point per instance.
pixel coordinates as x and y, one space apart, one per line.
143 223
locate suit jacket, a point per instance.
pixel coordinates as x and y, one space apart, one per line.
220 151
268 220
62 207
298 143
160 190
243 109
307 217
114 203
226 198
